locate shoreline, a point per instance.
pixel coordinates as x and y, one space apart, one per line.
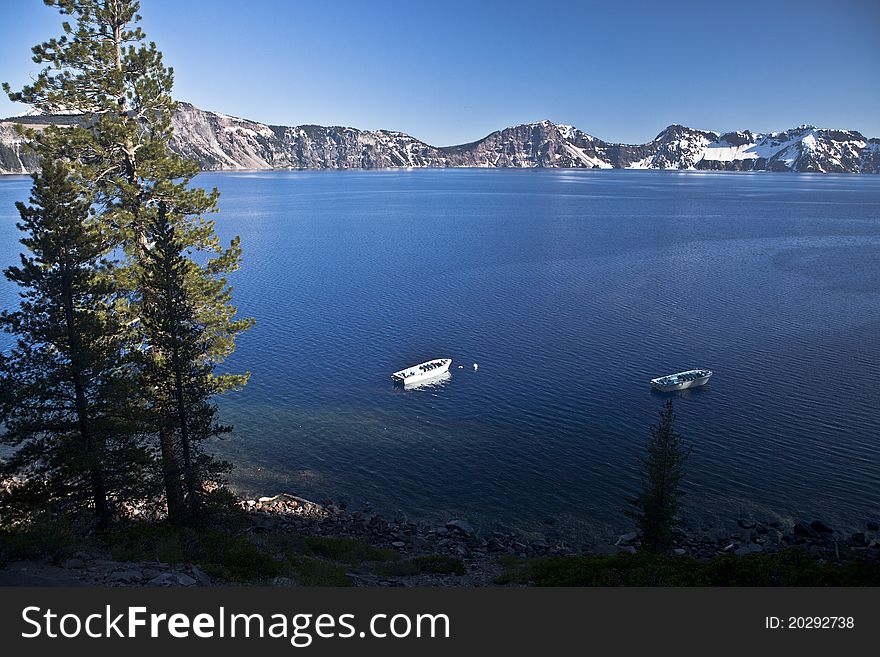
751 536
820 174
456 552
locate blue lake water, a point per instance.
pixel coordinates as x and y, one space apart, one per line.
571 289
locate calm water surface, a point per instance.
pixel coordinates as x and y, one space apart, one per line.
571 290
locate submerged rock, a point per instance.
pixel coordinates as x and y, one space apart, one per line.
462 526
821 527
804 531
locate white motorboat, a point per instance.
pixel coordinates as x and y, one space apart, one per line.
430 369
681 380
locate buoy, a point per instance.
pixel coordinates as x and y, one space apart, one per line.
476 367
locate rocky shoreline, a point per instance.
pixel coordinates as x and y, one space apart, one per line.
459 538
479 552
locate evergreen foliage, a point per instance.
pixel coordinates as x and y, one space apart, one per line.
654 509
178 373
170 289
67 384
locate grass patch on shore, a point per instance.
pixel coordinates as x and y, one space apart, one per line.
225 552
789 567
53 540
431 564
342 550
220 545
320 560
250 558
229 556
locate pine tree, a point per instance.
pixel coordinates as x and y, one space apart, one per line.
655 508
103 67
180 375
66 384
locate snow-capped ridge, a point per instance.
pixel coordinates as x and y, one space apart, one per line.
221 141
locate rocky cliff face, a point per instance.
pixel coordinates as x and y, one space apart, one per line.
14 155
218 141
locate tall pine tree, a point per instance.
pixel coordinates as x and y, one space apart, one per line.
103 67
67 384
180 372
655 508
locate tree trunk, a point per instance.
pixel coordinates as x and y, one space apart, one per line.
168 445
173 321
171 475
90 448
191 492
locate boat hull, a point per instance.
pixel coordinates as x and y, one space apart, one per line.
415 374
681 380
684 385
427 383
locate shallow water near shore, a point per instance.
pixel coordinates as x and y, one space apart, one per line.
571 289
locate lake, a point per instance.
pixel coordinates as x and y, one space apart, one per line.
570 289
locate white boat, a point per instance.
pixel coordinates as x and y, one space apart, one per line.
430 369
681 380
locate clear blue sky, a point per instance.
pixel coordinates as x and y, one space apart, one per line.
450 72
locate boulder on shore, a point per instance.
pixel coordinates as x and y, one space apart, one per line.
627 538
